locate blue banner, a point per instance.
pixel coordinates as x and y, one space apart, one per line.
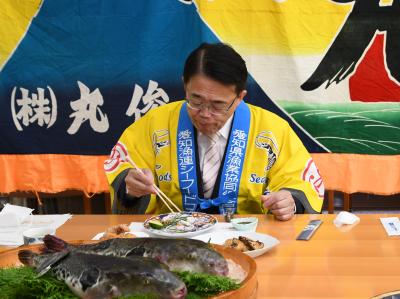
84 70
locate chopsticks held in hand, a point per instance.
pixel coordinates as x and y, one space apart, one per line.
164 198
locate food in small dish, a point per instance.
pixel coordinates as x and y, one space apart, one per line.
107 236
235 243
244 244
221 236
117 231
249 223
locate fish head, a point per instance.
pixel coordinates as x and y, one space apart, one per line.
167 283
191 255
211 261
159 282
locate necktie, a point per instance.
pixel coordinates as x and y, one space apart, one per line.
211 165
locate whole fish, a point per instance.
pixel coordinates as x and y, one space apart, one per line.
93 276
178 254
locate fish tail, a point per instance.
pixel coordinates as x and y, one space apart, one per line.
26 257
53 243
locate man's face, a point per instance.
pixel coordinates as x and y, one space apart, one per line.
210 93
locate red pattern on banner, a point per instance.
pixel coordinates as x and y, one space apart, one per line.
371 81
118 155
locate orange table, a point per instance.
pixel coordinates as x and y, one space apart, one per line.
357 262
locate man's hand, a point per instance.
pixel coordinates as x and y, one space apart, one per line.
280 203
139 183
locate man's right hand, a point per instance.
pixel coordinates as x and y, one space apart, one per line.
139 183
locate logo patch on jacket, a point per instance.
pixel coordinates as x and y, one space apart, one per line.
254 178
160 140
166 177
311 174
266 140
118 155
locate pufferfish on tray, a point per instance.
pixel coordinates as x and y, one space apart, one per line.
91 276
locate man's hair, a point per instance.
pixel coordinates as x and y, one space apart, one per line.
219 62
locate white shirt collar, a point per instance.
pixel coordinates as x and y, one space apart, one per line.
224 131
203 141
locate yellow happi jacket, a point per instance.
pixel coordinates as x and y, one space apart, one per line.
274 156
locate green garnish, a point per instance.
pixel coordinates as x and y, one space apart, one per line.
139 297
23 283
207 285
156 224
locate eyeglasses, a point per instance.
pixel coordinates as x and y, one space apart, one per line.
214 108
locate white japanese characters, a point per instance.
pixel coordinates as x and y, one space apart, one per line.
87 108
34 108
187 166
41 107
154 97
234 156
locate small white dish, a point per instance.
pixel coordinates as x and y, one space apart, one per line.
245 224
36 235
137 234
220 238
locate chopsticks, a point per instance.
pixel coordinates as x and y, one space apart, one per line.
164 198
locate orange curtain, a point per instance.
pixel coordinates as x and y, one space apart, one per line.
50 173
352 173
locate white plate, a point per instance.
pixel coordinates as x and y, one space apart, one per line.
220 238
137 234
211 221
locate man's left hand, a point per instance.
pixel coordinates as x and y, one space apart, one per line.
280 203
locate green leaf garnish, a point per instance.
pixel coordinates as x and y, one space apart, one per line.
206 284
23 283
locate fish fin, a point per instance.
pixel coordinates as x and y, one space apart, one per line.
26 257
43 272
102 292
53 259
114 292
53 243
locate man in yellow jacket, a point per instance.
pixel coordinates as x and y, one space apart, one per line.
213 152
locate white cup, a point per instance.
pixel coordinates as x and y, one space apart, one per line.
35 235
